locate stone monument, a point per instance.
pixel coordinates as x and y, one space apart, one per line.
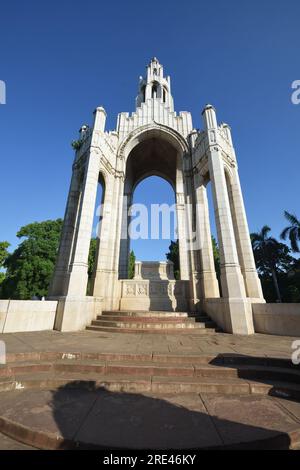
155 140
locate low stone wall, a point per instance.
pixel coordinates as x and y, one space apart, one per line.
27 315
277 319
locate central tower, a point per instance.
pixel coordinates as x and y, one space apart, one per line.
155 85
155 140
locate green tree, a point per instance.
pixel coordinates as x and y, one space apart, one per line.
91 265
92 256
3 256
3 252
131 265
173 255
271 256
292 231
291 282
216 254
30 267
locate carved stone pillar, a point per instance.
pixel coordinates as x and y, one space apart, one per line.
238 314
208 279
59 283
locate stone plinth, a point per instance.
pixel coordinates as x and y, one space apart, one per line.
154 270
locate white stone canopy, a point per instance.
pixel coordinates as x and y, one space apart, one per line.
155 140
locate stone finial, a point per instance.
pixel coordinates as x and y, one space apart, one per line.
99 119
209 117
227 130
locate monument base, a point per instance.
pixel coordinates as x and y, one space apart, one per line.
233 315
75 313
146 294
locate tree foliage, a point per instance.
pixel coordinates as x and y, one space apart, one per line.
292 231
92 257
3 255
30 267
173 255
91 265
216 254
272 258
3 252
131 265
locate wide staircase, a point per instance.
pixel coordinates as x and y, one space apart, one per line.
71 400
153 322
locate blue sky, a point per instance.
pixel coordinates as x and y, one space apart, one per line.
62 59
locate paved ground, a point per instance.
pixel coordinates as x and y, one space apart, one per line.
162 420
89 341
109 419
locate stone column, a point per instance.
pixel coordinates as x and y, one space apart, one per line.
79 262
107 235
208 279
113 302
60 278
75 310
181 230
241 229
238 314
106 282
244 248
182 219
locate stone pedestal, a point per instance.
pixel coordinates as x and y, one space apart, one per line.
154 270
75 313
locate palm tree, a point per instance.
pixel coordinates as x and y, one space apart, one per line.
266 250
292 231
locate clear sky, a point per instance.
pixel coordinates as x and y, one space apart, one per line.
61 59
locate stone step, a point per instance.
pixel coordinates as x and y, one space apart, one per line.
150 368
168 331
9 443
156 384
151 324
222 360
131 318
147 313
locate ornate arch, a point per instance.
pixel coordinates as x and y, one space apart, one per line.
151 130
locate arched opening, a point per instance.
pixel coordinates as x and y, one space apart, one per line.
153 177
96 232
164 95
153 203
144 93
155 88
214 232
